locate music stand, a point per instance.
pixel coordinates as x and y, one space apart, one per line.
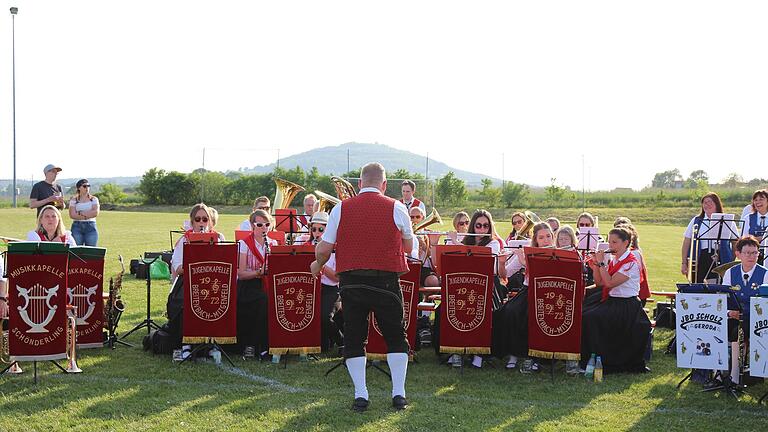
148 322
587 239
732 303
288 221
723 229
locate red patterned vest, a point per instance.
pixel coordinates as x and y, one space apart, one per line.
367 238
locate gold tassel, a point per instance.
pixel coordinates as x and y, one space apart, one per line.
194 339
225 340
372 356
278 351
554 355
464 350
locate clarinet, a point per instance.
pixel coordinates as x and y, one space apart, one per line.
266 253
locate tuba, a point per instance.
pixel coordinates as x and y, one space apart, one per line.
325 202
285 192
344 189
526 231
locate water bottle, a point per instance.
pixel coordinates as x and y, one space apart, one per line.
590 370
598 370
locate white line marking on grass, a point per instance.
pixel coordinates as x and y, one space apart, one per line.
269 382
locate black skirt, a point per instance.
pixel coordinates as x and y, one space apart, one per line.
510 327
617 330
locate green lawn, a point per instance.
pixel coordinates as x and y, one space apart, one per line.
128 389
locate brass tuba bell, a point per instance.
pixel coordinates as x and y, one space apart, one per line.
285 192
433 218
526 231
344 189
325 202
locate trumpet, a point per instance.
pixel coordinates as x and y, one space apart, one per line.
72 340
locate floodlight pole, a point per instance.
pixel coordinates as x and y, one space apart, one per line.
14 11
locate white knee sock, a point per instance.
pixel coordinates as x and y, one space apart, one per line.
356 368
398 366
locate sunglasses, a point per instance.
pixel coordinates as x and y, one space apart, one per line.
585 225
265 208
482 225
316 229
462 223
262 224
85 185
201 219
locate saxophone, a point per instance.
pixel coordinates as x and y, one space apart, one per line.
115 305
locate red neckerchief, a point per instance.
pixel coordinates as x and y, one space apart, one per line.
43 237
250 241
613 268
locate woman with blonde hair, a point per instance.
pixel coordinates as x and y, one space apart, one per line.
50 228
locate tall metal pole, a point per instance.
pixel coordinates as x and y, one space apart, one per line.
14 11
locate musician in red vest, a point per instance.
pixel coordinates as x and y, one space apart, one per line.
408 188
371 233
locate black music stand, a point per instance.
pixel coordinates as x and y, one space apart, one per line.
727 385
292 219
148 322
592 239
726 231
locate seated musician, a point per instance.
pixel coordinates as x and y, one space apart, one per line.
707 249
554 223
428 276
645 290
251 298
510 333
566 238
748 276
756 221
329 297
482 225
518 221
309 210
749 208
199 222
614 324
261 203
460 226
50 228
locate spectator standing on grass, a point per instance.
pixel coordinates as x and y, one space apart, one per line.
47 192
83 209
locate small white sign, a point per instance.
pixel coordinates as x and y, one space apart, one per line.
758 336
702 331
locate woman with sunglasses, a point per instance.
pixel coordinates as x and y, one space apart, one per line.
83 209
614 324
422 251
511 328
251 298
199 222
518 221
460 226
329 281
482 223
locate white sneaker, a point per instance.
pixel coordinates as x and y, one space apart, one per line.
453 358
477 361
512 362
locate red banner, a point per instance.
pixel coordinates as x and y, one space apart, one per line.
37 297
210 296
465 319
294 304
409 285
85 284
555 294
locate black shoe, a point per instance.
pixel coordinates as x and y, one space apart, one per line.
360 404
399 403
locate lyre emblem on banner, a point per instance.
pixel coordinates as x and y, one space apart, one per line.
554 298
407 287
466 300
294 300
209 283
37 311
83 298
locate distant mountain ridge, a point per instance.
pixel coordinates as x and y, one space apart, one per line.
350 156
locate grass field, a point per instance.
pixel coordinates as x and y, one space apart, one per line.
128 389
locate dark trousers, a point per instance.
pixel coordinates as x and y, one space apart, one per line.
330 333
381 295
252 315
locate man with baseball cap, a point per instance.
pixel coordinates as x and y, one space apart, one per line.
47 192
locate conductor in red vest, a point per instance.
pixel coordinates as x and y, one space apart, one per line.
371 233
